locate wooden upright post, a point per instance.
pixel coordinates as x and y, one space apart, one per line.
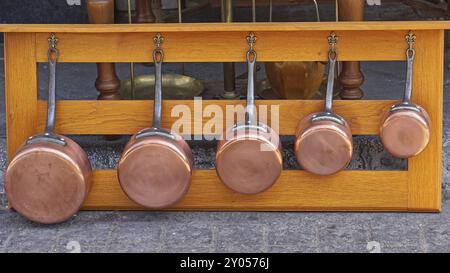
107 83
21 82
351 77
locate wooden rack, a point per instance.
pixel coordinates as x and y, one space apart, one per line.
417 189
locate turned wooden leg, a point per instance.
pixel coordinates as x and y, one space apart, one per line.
144 13
107 83
351 77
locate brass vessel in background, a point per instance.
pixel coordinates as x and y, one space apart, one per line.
177 86
295 80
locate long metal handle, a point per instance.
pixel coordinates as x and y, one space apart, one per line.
250 117
158 56
51 108
49 136
332 56
410 54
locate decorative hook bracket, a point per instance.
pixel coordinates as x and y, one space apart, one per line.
52 41
158 40
251 40
332 41
411 39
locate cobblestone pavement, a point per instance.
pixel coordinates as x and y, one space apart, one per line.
230 232
233 231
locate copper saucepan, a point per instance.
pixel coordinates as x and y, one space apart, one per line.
156 166
48 179
324 140
405 128
249 158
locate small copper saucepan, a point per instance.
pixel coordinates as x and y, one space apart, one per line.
249 158
156 166
324 143
48 179
405 128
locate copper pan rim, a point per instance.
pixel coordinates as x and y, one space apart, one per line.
62 155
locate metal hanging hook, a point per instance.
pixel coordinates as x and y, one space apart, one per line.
251 41
52 50
251 53
158 40
52 41
332 41
158 53
410 40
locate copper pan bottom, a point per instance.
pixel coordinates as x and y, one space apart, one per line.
405 133
324 147
45 185
248 165
154 173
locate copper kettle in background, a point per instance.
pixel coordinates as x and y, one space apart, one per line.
295 80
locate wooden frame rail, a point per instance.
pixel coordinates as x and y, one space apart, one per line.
416 189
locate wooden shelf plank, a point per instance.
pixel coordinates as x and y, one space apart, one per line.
294 191
220 27
128 117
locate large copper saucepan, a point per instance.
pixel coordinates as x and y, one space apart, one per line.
324 140
249 158
405 128
48 179
156 166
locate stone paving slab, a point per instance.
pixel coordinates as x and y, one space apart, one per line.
230 232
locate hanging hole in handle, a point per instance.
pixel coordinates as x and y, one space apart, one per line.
158 56
410 53
52 55
332 55
251 56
